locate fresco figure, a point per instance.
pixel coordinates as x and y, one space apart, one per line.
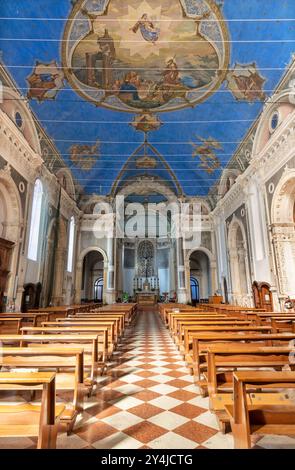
128 90
149 32
171 73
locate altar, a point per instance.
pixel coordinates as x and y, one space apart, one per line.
145 298
146 290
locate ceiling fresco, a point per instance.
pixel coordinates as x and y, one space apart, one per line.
155 88
149 55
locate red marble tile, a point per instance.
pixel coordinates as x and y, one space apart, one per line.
174 373
145 431
95 431
146 395
179 383
145 373
195 431
182 395
146 383
145 410
188 410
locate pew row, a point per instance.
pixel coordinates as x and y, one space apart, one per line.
27 420
247 419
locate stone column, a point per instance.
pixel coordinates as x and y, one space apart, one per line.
110 293
181 287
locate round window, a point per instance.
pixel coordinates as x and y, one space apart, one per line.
274 121
18 120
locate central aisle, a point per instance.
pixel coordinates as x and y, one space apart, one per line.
148 399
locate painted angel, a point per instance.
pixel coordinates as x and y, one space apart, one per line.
147 28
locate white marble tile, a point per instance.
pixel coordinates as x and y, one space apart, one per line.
163 389
165 402
171 440
122 420
118 441
168 420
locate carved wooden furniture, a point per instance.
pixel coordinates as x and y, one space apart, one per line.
5 259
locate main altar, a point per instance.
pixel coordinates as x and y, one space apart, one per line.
146 290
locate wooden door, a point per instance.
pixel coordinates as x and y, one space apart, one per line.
5 258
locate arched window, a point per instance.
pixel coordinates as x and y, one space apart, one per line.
98 289
71 245
195 290
33 249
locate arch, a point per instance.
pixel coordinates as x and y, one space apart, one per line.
227 180
11 206
92 248
281 103
11 221
283 199
146 186
79 270
200 269
12 103
65 179
202 249
238 260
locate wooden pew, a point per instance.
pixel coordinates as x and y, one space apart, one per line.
92 358
201 340
111 325
26 420
174 318
94 317
32 317
223 359
100 331
13 325
183 328
191 332
129 309
176 308
70 374
247 419
193 314
119 319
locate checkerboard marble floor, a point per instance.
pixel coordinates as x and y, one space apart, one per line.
148 401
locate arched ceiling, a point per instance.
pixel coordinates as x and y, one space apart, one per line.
197 72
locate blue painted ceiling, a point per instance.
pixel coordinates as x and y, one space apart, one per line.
261 31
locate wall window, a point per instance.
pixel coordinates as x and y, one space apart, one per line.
71 245
195 290
34 239
98 289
